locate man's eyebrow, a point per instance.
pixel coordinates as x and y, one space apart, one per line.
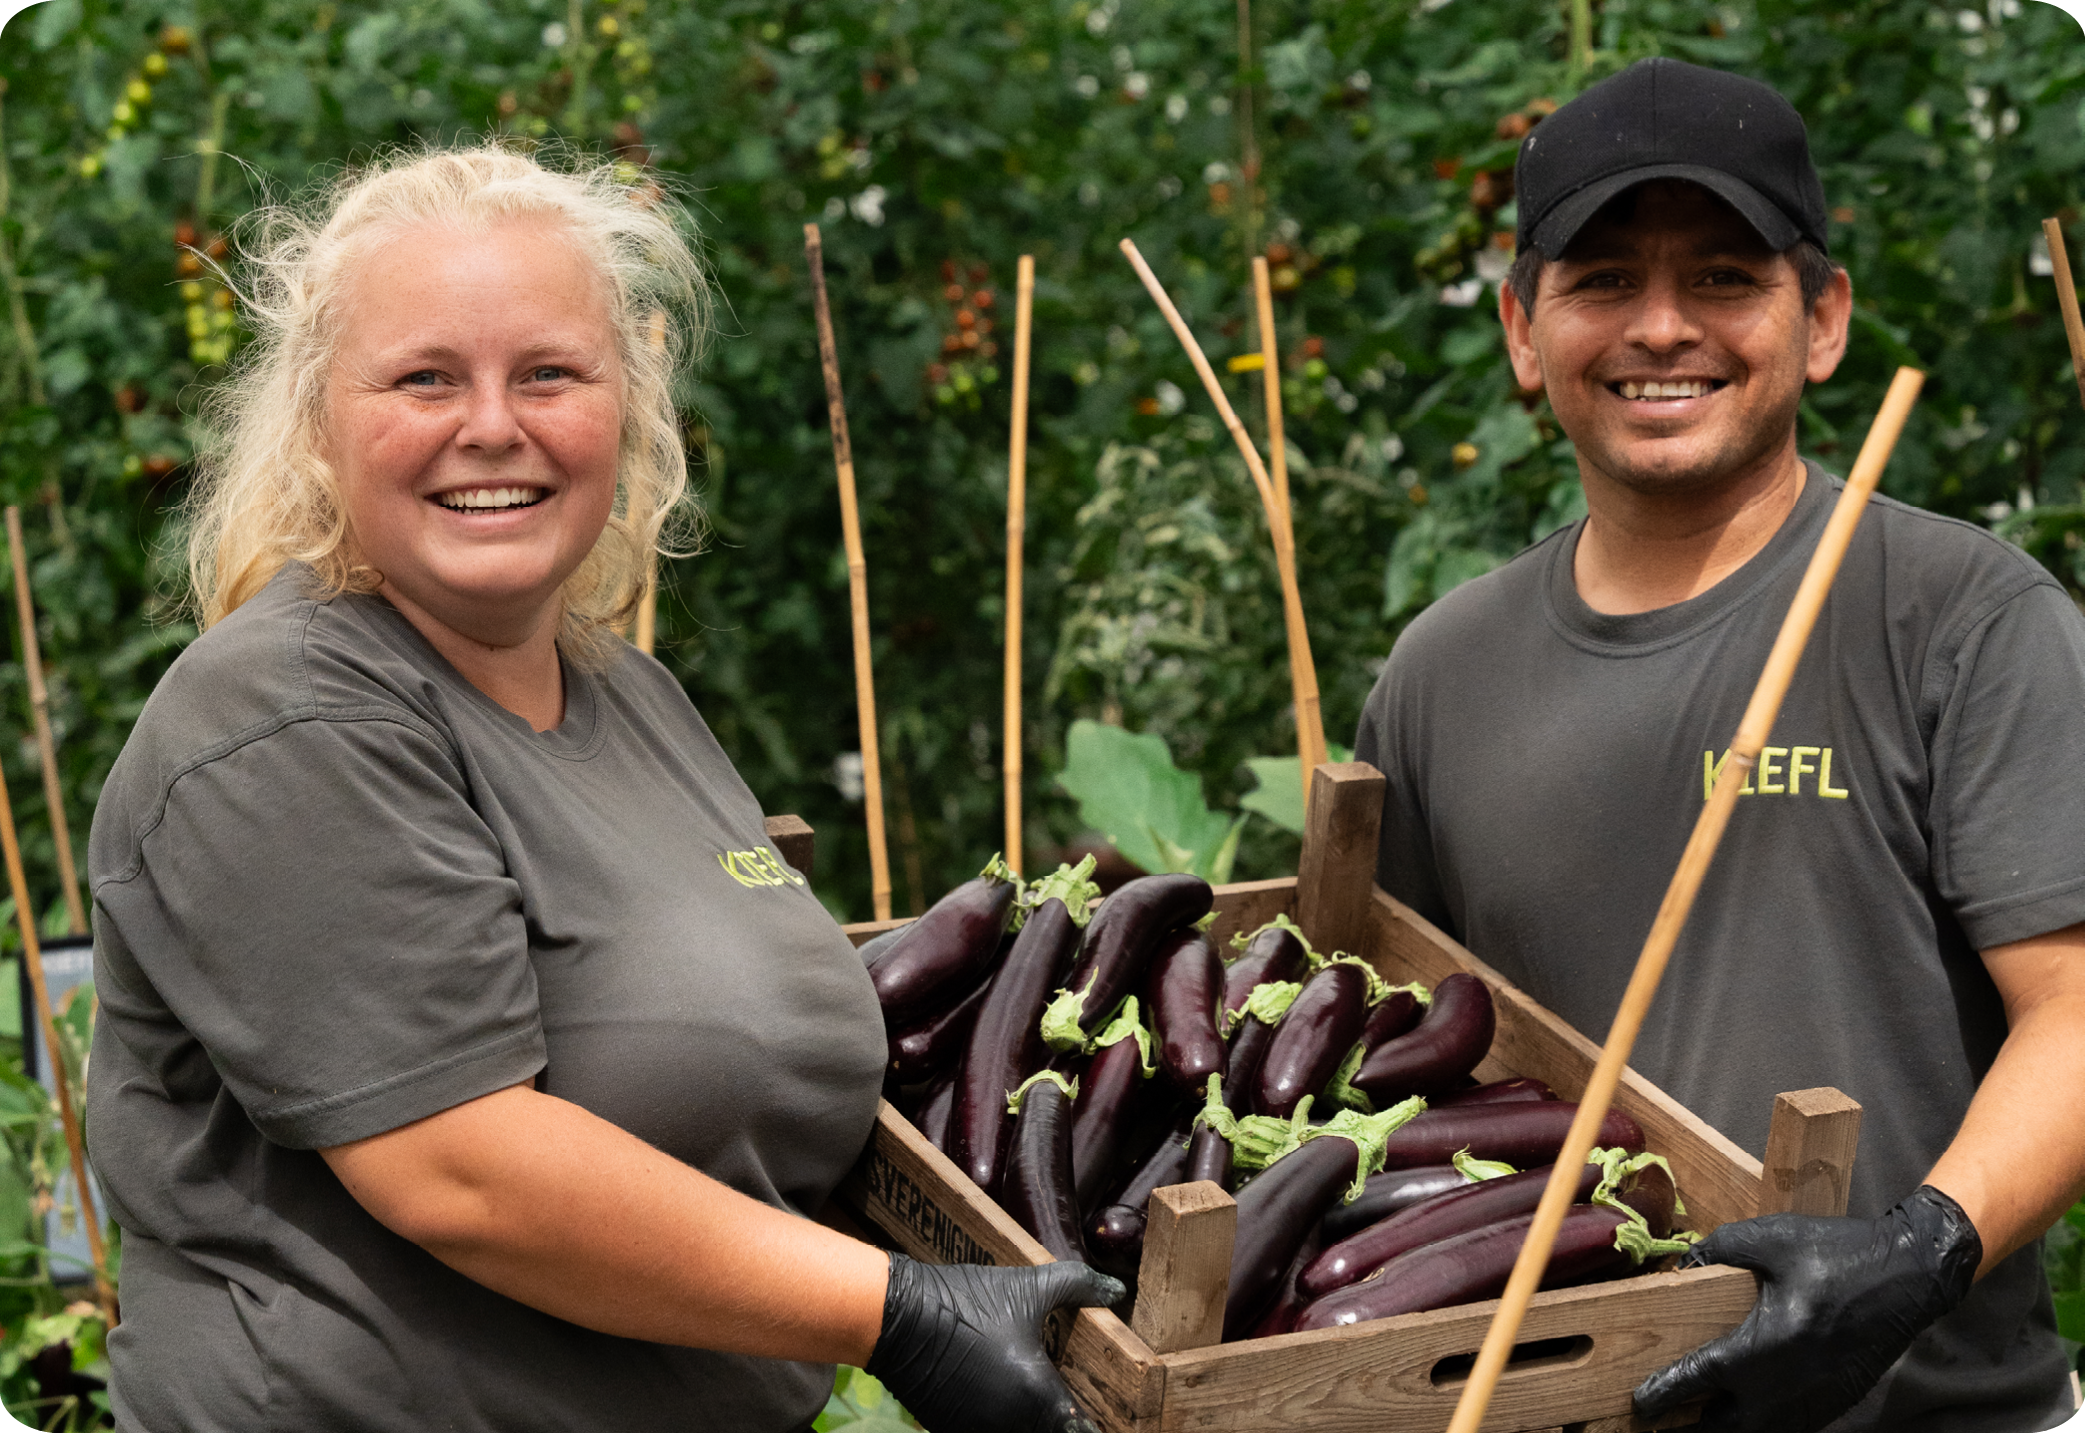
1609 248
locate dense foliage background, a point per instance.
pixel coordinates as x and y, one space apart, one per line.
1365 148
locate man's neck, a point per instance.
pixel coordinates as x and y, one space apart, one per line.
1640 552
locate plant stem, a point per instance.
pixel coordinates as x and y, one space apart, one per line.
1248 138
206 176
17 304
1581 39
575 57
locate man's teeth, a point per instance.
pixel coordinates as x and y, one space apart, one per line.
490 497
1694 388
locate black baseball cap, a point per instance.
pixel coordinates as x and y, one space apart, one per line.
1667 119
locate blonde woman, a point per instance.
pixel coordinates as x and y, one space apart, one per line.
444 1077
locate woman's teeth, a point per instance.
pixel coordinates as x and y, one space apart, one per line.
1694 388
490 498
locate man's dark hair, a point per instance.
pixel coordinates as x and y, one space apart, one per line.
1813 269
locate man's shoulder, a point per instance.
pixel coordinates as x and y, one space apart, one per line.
1951 571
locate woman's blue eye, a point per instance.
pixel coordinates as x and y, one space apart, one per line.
423 378
548 375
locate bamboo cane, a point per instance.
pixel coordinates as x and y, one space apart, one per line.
1752 732
40 714
1016 537
2067 300
648 603
68 1117
1304 669
1303 683
857 580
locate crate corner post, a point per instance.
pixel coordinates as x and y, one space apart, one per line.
1335 880
1185 1278
1809 1153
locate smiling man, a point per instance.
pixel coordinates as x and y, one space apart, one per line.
1898 908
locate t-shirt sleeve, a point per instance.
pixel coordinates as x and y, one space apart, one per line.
326 913
1404 856
2008 812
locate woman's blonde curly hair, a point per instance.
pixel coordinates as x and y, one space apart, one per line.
265 494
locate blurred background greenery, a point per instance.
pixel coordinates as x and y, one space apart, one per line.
1364 148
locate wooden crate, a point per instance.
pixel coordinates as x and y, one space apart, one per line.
1402 1375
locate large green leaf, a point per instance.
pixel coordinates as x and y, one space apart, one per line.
860 1404
1129 790
1279 796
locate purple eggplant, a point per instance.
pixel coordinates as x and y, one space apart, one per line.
1450 1042
873 949
1275 952
1280 1317
1119 945
1276 1213
1396 1013
1038 1189
1005 1046
1111 1093
1522 1135
1386 1193
932 1118
1260 1017
1115 1236
1313 1037
940 956
1184 993
1498 1092
927 1049
1456 1212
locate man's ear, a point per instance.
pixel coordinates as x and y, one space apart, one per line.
1520 340
1829 318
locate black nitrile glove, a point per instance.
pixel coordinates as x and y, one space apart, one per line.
962 1346
1839 1301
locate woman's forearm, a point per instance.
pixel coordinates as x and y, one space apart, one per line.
536 1198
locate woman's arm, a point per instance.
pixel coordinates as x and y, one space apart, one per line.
535 1198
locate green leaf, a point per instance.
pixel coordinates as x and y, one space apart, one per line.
1129 790
1279 796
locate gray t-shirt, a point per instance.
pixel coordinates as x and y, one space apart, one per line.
338 890
1923 800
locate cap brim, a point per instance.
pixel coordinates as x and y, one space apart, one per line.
1561 224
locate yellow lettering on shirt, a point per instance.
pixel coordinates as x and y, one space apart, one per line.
1824 780
757 868
1712 767
1770 770
1798 767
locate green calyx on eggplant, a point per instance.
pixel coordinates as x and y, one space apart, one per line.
1120 941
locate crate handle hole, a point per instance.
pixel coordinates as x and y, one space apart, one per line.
1538 1355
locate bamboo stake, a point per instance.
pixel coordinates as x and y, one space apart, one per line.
2067 300
857 580
648 603
1309 723
1752 732
40 712
1016 537
68 1117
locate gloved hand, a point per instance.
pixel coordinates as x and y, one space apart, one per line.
962 1347
1839 1301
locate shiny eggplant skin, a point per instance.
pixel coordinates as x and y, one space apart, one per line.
1392 1016
1522 1135
1276 1213
872 949
934 1110
927 1049
1386 1193
1111 1092
1005 1044
940 955
1450 1042
1037 1189
1443 1216
1272 955
1249 1045
1280 1317
1183 990
1115 1235
1498 1092
1475 1265
1208 1157
1124 934
1320 1028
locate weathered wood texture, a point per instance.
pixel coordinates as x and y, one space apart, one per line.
794 840
1186 1273
1809 1153
1389 1377
1687 1415
1337 872
1718 1179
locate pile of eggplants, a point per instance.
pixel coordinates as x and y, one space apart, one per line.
1072 1055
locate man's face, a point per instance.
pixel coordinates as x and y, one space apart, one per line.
1673 343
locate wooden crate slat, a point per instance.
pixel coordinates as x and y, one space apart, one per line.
1717 1178
1379 1378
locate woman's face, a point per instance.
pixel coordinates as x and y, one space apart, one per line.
474 411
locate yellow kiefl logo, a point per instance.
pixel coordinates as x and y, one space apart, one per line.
757 867
1780 772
